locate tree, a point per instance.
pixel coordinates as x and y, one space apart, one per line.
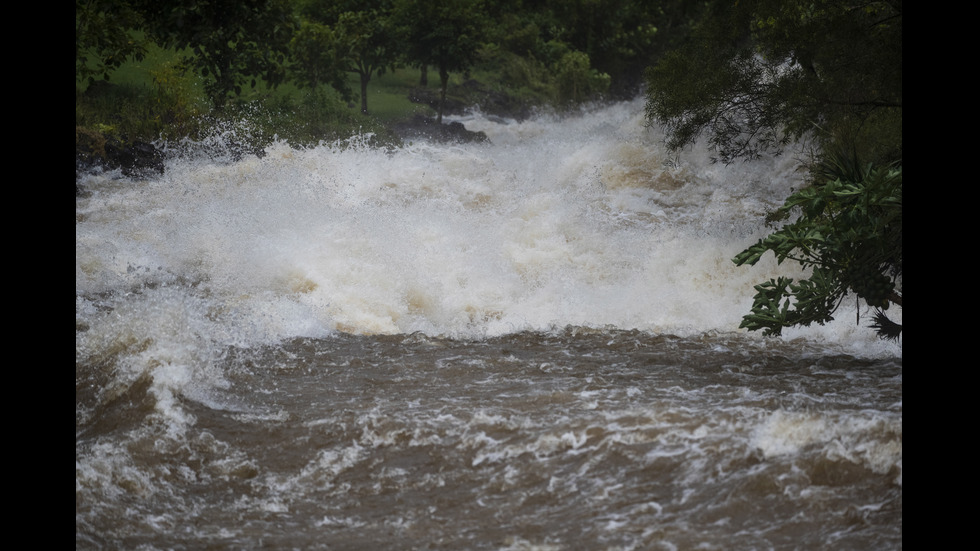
363 39
316 60
577 80
370 45
849 232
617 36
231 42
105 37
760 74
446 35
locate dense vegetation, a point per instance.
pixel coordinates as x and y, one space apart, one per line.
759 75
749 77
300 64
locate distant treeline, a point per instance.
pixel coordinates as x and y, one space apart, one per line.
581 48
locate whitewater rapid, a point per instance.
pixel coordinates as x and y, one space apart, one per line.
581 220
530 343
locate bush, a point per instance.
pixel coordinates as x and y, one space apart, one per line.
849 232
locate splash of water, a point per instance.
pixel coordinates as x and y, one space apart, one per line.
582 221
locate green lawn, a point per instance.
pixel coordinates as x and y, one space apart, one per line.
151 98
388 95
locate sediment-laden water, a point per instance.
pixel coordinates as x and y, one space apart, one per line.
526 344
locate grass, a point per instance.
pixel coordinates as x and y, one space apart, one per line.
388 96
153 99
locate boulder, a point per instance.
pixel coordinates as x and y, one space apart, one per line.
94 151
422 127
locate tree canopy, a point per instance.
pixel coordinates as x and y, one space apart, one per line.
232 41
317 58
446 35
587 47
105 37
353 37
758 75
848 231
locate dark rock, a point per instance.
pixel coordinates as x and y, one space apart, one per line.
422 127
94 151
136 160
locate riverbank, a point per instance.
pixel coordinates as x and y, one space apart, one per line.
401 110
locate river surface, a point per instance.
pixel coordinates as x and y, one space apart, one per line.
525 344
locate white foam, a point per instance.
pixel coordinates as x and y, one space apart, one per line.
576 221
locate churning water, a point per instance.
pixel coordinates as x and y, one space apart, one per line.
530 343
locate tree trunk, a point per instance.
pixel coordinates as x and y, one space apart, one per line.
424 78
365 78
444 81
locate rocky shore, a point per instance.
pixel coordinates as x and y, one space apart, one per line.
422 127
95 152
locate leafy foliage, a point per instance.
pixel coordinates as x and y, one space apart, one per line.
316 59
558 50
230 42
354 37
848 231
541 71
617 36
105 37
370 43
759 74
447 35
577 80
